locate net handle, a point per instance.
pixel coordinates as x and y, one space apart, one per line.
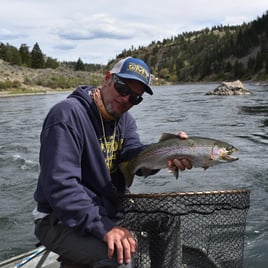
182 194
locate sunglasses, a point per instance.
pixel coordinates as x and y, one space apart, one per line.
124 90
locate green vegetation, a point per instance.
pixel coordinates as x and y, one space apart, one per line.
64 80
221 53
23 57
4 85
216 54
37 60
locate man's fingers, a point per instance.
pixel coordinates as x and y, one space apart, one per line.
181 164
127 250
120 241
133 244
110 245
182 135
187 163
120 252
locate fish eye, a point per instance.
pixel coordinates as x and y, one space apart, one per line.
230 149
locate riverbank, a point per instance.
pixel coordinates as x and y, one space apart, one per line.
5 94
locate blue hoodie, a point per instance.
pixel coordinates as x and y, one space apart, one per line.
74 181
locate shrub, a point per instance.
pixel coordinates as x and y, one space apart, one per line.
4 85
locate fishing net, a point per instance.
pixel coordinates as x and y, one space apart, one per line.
187 229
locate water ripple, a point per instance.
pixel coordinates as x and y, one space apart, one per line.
240 120
254 110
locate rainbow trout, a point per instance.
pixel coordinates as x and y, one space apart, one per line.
202 152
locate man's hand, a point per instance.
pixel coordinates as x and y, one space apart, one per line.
180 164
121 240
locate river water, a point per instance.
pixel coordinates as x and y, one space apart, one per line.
239 120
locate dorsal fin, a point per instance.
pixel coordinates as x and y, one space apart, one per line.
168 136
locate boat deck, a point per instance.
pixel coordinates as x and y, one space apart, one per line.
38 258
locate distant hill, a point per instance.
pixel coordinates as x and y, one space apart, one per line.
220 53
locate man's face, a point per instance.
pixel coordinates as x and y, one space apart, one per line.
114 102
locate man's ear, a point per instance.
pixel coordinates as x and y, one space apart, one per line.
108 76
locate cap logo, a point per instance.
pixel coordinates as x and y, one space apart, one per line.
139 69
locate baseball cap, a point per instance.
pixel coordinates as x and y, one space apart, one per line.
133 68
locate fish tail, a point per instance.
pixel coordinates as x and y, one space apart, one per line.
127 172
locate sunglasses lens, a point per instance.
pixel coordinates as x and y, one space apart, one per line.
135 99
124 90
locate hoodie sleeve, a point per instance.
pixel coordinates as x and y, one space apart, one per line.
132 144
60 178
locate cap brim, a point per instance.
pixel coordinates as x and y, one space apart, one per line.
133 77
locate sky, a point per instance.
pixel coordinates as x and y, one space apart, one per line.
98 30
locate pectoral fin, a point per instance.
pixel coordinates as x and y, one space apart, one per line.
175 172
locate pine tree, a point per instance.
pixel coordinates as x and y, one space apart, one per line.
37 57
25 55
258 62
51 63
79 66
11 55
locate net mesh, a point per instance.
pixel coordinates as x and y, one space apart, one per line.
189 229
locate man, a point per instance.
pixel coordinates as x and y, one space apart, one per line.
83 140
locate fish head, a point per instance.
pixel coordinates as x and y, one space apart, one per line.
223 152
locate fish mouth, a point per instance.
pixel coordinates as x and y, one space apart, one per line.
230 158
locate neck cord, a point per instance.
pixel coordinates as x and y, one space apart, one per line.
96 95
109 146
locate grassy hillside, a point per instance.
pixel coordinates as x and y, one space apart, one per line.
18 79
